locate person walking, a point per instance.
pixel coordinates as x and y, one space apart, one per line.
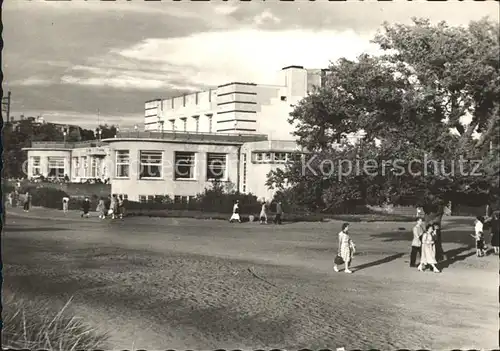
495 232
121 206
478 236
10 199
279 213
113 207
428 255
65 203
236 213
416 244
346 249
101 209
263 213
85 208
27 202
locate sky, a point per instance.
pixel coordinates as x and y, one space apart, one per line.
89 62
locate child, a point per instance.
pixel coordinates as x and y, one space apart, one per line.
65 201
478 235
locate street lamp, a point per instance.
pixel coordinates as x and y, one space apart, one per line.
64 136
136 128
117 131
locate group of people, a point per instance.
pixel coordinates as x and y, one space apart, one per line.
426 243
14 198
479 235
263 218
113 207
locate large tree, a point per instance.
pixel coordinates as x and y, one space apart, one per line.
421 100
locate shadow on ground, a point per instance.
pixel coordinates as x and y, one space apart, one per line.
379 262
456 255
455 236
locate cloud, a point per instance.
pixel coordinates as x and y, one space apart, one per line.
216 58
33 81
266 17
225 9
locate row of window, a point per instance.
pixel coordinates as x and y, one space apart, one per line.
275 157
81 168
178 199
55 166
153 167
172 125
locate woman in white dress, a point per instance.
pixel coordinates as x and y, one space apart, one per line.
428 255
263 214
236 212
346 248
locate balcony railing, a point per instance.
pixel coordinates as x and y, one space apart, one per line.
193 136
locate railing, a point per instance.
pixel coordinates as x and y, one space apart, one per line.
65 145
171 135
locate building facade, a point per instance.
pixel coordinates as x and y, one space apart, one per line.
236 107
235 134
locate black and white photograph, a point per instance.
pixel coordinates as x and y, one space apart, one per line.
203 175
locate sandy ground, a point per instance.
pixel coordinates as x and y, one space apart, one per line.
186 284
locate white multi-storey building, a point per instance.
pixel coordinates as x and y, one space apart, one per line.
241 128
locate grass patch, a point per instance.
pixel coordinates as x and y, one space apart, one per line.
34 324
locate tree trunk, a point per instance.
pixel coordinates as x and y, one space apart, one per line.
435 217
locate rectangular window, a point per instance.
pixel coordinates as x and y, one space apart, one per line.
259 157
151 164
172 124
184 124
184 165
56 167
267 156
191 198
85 164
216 166
280 157
93 168
151 198
76 167
177 199
36 166
142 199
122 163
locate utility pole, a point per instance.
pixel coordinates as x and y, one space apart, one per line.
6 102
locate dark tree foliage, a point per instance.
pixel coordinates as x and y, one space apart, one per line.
410 103
21 133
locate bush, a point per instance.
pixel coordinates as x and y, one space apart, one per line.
47 197
34 325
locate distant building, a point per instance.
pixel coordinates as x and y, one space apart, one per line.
236 134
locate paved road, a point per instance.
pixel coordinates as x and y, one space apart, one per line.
180 283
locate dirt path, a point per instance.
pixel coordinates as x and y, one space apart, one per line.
185 284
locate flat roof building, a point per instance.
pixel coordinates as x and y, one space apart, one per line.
236 133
